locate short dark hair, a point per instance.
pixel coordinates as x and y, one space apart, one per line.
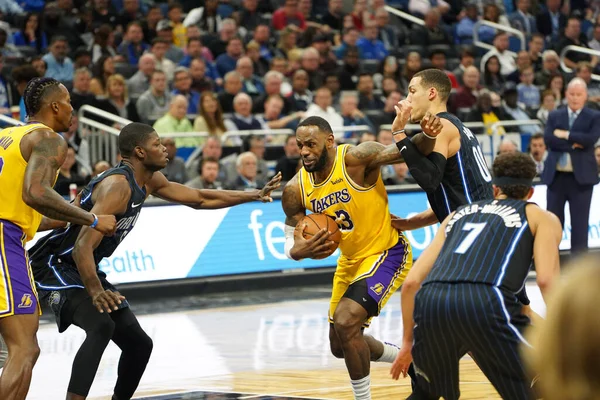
24 73
58 38
175 5
35 91
436 78
133 135
536 35
436 52
194 39
514 165
467 52
538 135
158 40
319 122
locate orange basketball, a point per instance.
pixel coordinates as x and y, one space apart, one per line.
315 222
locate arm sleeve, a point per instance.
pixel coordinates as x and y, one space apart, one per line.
426 170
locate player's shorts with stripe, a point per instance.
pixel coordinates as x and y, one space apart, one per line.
17 289
372 280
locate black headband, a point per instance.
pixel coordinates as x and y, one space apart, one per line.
508 180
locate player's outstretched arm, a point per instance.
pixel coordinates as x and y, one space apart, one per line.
547 233
49 224
48 152
110 196
296 247
420 220
208 198
411 285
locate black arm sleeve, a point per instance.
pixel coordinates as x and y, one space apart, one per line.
426 170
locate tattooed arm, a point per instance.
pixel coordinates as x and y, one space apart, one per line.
45 152
48 224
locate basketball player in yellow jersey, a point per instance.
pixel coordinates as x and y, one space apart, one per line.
30 157
345 183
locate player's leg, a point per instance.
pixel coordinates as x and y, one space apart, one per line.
19 314
136 347
496 340
99 329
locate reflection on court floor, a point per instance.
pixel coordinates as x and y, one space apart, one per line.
272 351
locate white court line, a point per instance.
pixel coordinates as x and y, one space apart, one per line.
217 391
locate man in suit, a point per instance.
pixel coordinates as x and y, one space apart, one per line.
522 20
570 168
552 21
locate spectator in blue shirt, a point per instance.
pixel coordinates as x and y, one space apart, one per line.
349 41
31 34
465 28
195 50
371 47
133 46
60 67
529 94
227 61
182 85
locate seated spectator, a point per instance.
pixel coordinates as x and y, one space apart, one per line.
401 175
246 164
528 93
334 18
310 63
276 118
332 82
512 108
195 49
21 76
103 69
161 62
257 146
150 25
507 61
206 18
388 114
7 49
523 62
487 113
466 26
466 95
369 46
259 64
210 118
117 101
431 33
81 146
182 85
131 12
390 37
251 84
349 41
367 99
359 14
550 67
287 42
572 37
301 97
201 82
140 81
584 71
412 66
207 175
211 148
40 65
173 53
273 81
227 61
132 48
507 146
438 61
289 164
175 169
232 87
492 79
82 58
154 102
104 43
522 20
242 118
537 151
352 115
175 121
322 108
491 13
249 16
288 15
261 37
81 95
536 46
68 174
556 83
31 34
350 70
327 59
225 34
179 30
59 66
548 104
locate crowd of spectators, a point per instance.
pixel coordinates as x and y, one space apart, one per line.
220 66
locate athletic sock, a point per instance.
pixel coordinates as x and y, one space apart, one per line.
362 388
390 351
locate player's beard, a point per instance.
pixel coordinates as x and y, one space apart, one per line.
321 162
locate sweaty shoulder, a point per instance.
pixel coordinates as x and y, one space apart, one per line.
536 217
115 190
40 139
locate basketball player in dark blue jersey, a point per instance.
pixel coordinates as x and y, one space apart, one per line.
467 282
455 173
65 262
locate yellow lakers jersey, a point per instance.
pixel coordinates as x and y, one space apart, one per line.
366 227
12 175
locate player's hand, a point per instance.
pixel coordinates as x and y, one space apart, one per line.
402 362
107 224
317 247
403 109
431 124
264 194
400 224
107 300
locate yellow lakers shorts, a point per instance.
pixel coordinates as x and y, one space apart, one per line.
371 281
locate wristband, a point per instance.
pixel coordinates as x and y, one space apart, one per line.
95 223
429 137
398 132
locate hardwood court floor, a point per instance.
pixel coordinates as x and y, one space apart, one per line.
271 351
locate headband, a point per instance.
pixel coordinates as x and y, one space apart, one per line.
508 180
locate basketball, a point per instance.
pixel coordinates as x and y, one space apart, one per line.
315 222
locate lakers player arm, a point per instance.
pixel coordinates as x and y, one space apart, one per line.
49 224
422 219
547 235
411 285
428 170
207 198
296 247
110 196
45 152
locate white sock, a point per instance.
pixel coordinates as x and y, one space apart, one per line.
362 388
390 351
